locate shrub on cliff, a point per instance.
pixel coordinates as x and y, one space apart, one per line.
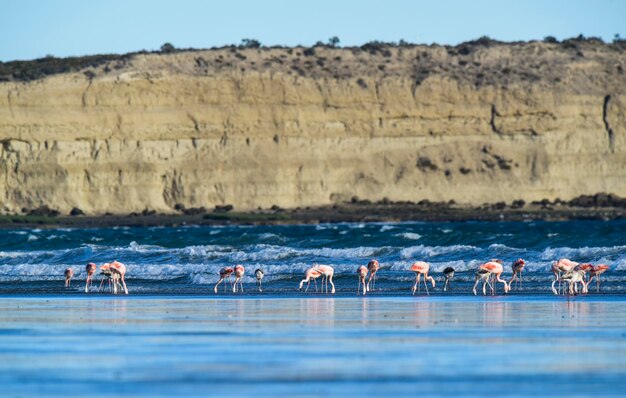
167 48
250 43
50 65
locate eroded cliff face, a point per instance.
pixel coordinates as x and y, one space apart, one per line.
256 128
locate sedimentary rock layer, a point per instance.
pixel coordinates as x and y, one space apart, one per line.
295 127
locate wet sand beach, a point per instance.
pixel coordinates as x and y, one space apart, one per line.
314 346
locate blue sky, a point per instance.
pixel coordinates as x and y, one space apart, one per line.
35 28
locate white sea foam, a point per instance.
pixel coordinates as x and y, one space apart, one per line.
409 235
430 251
582 253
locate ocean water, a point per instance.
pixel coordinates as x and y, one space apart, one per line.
186 260
450 346
172 336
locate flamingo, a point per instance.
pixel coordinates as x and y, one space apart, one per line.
259 274
372 267
448 273
327 272
91 270
489 269
105 271
583 268
225 273
362 272
572 278
69 273
311 273
118 271
421 267
517 267
559 267
239 271
595 272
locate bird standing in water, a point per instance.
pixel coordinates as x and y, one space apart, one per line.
560 267
69 273
239 271
487 270
310 274
362 272
225 273
372 267
421 268
448 273
91 270
595 272
517 267
118 271
259 274
327 272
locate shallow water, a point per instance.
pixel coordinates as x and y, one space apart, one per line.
385 346
186 260
173 336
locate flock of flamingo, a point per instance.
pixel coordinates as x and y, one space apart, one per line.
567 273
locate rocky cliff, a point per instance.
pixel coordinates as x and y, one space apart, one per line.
476 123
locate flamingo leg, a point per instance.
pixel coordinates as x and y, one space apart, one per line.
486 278
414 288
426 285
217 284
513 278
124 284
475 284
554 282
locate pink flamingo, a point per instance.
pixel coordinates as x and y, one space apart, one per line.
517 267
118 271
310 274
225 273
574 277
489 269
105 271
91 270
595 272
327 272
584 269
372 267
69 273
421 268
559 267
239 271
362 272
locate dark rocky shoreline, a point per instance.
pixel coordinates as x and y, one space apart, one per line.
358 211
